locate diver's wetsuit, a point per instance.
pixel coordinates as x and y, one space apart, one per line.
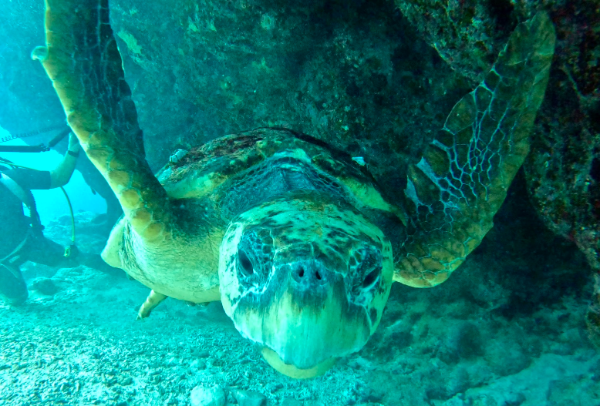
22 240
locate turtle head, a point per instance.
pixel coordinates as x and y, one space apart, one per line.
305 278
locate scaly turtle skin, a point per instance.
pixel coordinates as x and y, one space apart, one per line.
297 240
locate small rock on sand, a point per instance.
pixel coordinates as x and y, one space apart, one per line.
211 396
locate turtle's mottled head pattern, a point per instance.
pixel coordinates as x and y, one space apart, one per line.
306 278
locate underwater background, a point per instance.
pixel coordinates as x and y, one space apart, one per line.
507 328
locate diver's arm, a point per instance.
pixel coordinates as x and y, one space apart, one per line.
60 175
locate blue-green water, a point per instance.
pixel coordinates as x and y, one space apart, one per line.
506 329
52 203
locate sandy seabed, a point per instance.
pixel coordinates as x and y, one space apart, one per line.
77 342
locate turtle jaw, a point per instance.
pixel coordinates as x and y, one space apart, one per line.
292 371
306 283
307 322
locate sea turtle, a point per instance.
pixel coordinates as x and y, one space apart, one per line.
294 237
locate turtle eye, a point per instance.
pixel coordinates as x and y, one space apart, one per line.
372 278
254 257
365 270
245 263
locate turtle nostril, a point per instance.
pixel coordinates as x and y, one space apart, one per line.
308 273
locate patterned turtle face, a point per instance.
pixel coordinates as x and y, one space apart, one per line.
306 279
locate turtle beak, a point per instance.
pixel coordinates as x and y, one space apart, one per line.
303 319
292 371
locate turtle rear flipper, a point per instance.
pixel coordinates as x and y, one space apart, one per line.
153 300
83 62
461 181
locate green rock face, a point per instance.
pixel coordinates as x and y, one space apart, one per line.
351 73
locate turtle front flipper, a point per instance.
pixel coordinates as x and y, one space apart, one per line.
83 62
461 181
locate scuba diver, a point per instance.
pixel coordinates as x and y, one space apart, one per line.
22 237
104 222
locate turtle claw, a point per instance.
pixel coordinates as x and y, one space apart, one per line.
153 300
